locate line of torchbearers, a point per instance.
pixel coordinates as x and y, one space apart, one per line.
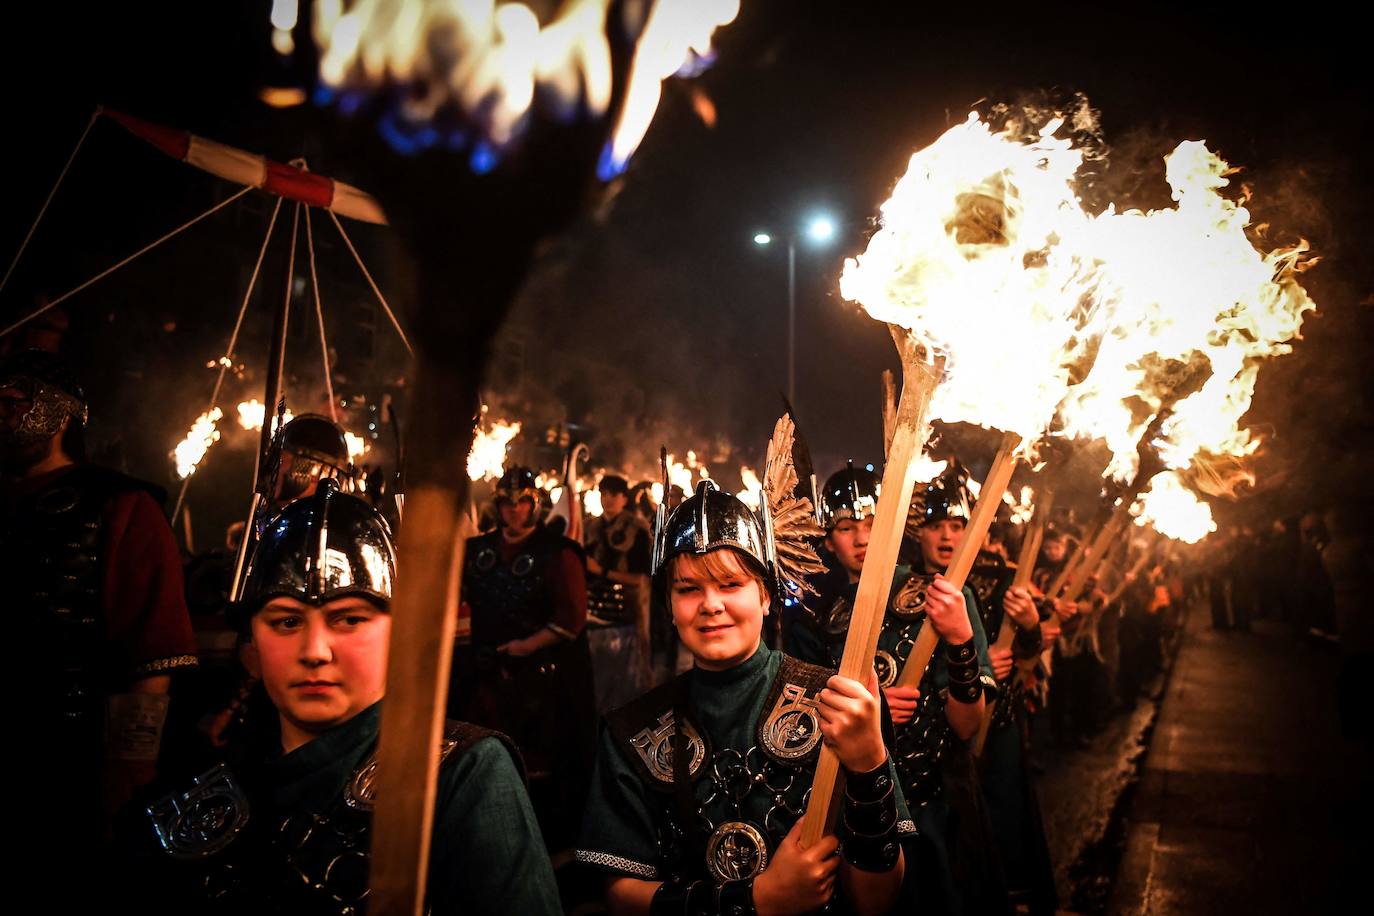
645 707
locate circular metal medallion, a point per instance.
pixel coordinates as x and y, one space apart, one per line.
910 599
736 851
523 564
885 665
837 621
486 559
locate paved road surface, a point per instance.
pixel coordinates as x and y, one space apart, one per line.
1250 801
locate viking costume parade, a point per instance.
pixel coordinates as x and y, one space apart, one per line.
700 783
390 521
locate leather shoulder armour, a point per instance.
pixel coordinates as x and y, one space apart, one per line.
459 738
789 727
643 731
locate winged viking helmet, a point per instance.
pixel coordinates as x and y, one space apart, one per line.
780 536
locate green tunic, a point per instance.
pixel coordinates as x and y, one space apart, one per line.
920 745
630 826
486 856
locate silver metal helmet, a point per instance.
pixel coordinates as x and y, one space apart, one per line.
712 518
849 493
947 496
324 546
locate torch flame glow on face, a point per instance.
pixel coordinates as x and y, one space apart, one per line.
191 449
487 458
1173 510
493 62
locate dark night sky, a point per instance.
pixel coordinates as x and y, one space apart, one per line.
819 105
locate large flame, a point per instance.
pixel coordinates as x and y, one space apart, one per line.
988 255
751 491
1021 509
683 475
494 62
928 468
1188 288
591 503
251 413
676 40
487 459
979 256
191 449
1173 510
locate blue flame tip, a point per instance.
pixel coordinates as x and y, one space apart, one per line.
608 167
483 158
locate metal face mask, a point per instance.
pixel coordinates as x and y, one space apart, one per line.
48 408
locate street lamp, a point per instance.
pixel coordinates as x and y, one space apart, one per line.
820 229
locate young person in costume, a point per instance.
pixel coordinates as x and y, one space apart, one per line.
700 784
1003 766
946 708
285 825
527 671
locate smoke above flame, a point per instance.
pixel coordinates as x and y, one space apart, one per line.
1173 510
489 65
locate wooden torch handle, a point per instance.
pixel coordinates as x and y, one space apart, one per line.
989 498
1025 566
875 582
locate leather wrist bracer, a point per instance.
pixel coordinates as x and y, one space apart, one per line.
870 820
703 898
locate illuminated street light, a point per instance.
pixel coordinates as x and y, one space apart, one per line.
820 230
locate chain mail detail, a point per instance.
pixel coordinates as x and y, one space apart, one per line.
1009 704
722 791
921 741
167 664
616 863
906 827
